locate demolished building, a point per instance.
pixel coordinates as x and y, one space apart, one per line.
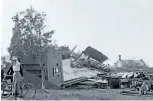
92 58
59 72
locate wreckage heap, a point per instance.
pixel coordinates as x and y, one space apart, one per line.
73 75
91 58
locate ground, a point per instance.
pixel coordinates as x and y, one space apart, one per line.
89 94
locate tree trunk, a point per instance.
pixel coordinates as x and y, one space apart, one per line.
43 79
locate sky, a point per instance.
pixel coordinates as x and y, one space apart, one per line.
114 27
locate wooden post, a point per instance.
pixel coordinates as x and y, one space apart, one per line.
73 49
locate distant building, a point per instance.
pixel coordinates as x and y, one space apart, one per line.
130 64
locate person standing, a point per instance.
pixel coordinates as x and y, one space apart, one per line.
2 69
17 73
2 73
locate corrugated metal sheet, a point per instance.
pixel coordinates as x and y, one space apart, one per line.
95 54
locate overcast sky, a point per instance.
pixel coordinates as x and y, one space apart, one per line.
112 26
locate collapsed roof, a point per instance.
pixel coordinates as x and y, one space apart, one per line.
95 54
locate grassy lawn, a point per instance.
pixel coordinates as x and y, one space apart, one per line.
89 94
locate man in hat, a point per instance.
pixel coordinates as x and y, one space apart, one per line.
17 73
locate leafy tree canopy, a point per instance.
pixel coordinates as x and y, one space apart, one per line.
30 39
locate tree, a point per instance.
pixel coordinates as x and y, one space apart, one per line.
30 39
29 34
15 46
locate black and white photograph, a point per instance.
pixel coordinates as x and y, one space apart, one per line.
76 49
